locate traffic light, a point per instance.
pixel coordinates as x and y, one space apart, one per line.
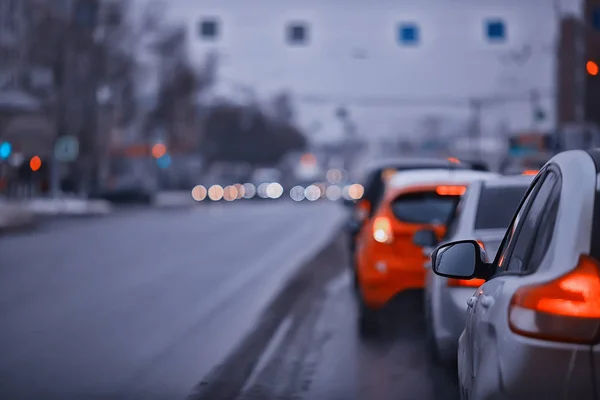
159 150
35 163
5 150
592 68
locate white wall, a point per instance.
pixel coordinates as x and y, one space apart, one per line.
453 59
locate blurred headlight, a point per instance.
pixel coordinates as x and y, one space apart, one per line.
356 191
312 193
262 190
230 193
199 193
241 190
249 191
333 193
274 190
297 193
215 193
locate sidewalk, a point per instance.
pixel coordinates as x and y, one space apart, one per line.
26 213
67 207
14 217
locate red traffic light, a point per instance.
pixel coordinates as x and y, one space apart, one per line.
159 150
35 163
592 68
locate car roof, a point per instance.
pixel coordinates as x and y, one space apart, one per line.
405 179
509 180
412 162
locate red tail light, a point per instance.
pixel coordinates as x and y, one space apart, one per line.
382 230
472 283
566 309
450 190
530 172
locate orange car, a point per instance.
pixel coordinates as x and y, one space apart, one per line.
387 260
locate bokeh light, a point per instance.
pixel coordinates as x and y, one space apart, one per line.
262 190
592 68
312 193
159 150
240 191
297 193
35 163
356 191
334 176
215 193
199 193
322 188
230 193
249 190
164 162
5 150
333 193
274 190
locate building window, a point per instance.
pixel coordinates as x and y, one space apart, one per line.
495 30
297 33
408 34
208 28
596 19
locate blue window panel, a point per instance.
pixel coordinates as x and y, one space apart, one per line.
496 30
408 34
297 33
208 28
596 19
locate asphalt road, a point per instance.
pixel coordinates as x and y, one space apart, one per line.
316 353
207 303
142 304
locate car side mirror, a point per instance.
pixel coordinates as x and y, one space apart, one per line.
425 238
464 259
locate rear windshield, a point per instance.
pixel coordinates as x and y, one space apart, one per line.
424 207
497 206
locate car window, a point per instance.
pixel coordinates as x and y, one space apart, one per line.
526 236
544 232
525 228
454 221
424 207
509 237
497 206
371 187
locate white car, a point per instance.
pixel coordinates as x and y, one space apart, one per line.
483 214
533 328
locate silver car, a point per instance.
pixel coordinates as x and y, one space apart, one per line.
483 214
533 328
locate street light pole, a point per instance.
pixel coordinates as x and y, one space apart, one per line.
476 106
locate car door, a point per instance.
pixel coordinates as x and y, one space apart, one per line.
522 250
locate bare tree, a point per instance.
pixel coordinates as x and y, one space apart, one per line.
176 113
283 109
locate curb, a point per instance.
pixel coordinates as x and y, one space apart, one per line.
27 226
227 379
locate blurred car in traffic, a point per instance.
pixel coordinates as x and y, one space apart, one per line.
387 261
526 165
129 181
483 214
532 327
374 183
